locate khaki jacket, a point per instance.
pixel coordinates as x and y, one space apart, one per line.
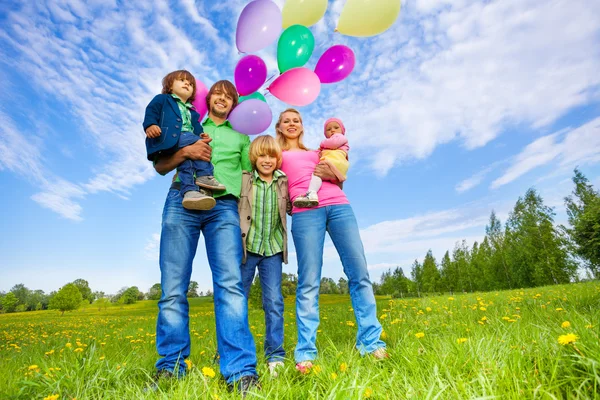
245 209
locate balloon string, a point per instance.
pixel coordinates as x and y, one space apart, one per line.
271 77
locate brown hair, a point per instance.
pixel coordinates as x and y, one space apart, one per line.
227 87
281 140
265 145
167 82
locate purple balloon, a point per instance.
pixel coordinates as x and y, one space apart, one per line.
251 117
250 73
335 64
259 25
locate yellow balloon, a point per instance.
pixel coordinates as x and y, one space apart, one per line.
303 12
368 17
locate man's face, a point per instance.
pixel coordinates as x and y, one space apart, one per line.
220 103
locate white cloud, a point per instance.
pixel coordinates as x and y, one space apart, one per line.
152 247
579 146
473 181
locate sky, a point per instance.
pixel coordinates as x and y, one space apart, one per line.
453 112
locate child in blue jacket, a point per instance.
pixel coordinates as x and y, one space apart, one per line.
171 123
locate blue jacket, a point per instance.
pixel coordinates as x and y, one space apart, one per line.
164 112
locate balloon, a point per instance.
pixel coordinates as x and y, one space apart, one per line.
199 102
294 47
367 17
251 117
258 26
335 64
303 12
298 87
255 95
250 73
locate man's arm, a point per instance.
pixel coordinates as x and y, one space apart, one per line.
246 164
323 171
197 151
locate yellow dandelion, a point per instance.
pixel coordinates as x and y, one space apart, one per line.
419 335
451 298
69 345
349 323
209 372
316 369
51 397
482 308
428 309
559 309
368 393
78 350
590 326
33 367
333 376
383 316
384 335
566 324
102 358
188 363
484 318
461 340
343 367
567 339
49 352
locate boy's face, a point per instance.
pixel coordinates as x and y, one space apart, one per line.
182 88
266 165
331 128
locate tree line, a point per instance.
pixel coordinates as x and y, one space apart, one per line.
528 251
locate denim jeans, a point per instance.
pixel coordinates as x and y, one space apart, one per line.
190 168
308 231
179 240
269 272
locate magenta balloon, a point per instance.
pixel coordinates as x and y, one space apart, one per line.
335 64
250 73
251 117
297 86
200 102
259 25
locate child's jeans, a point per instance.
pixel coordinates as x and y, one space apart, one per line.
269 272
186 169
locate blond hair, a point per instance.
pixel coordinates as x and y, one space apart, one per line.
281 140
265 145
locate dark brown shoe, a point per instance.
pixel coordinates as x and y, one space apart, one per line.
245 384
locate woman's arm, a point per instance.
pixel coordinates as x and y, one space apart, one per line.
197 151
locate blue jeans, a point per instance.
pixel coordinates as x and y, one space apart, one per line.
308 231
269 272
179 240
190 168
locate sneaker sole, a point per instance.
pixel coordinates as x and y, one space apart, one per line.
306 204
199 204
205 186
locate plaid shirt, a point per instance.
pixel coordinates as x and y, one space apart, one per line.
186 116
265 236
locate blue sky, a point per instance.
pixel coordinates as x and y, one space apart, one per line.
454 111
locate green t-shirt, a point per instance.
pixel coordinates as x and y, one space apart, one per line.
229 156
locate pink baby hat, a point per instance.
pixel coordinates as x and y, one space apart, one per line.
339 121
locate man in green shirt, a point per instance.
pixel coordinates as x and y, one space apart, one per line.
222 237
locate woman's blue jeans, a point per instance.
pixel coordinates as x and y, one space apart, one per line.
308 231
179 239
269 272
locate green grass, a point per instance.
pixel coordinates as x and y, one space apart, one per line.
512 353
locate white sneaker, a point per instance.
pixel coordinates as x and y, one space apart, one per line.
309 200
193 200
274 366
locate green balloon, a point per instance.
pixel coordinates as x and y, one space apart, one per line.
255 95
295 47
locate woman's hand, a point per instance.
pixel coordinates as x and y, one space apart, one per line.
323 171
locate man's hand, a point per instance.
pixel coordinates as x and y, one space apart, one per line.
153 131
199 150
323 171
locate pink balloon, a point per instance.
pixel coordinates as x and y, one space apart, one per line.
259 25
251 117
297 87
250 73
200 102
335 64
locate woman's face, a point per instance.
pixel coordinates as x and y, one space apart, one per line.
291 125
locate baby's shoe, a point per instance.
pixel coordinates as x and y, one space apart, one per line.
209 182
309 200
194 200
380 353
304 367
274 366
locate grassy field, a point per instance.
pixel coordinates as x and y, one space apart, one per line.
521 344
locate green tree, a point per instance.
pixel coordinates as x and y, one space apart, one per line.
497 256
255 296
448 276
102 303
131 295
192 289
85 290
21 292
68 298
583 210
417 276
289 282
431 274
328 286
155 292
342 286
9 302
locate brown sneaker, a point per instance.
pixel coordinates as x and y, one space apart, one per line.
245 384
209 182
380 353
309 200
193 200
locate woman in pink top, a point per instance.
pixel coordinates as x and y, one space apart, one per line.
333 215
